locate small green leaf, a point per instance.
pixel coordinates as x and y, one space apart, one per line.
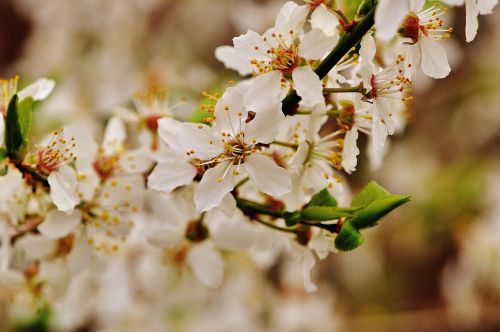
371 192
3 153
13 136
292 218
349 238
17 124
24 109
4 170
376 210
323 198
365 7
326 213
351 7
38 323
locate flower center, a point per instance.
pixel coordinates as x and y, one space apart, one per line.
196 231
56 153
237 149
105 165
281 55
152 122
346 118
410 28
285 59
390 82
427 23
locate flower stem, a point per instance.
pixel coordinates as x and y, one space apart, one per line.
242 182
286 144
332 228
333 113
358 88
345 44
253 207
340 14
270 225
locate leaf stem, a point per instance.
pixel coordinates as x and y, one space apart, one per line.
286 144
340 14
242 182
358 88
332 228
270 225
332 113
253 207
345 44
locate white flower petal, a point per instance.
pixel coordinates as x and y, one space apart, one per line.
323 19
265 125
125 191
136 161
412 60
416 5
350 151
233 60
228 205
315 44
434 60
308 263
251 46
114 136
167 130
58 224
232 234
267 176
230 111
263 91
207 265
297 161
168 175
200 140
37 90
35 246
63 189
368 48
211 190
486 6
126 114
308 86
471 21
316 121
388 16
379 133
291 18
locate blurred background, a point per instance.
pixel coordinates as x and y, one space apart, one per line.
434 265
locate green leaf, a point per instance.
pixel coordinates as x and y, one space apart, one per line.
351 7
371 192
17 124
377 209
349 238
325 213
38 323
323 198
24 109
365 7
292 218
3 153
13 136
4 170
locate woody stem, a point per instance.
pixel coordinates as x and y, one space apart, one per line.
346 43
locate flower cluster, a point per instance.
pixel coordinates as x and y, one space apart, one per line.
159 202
